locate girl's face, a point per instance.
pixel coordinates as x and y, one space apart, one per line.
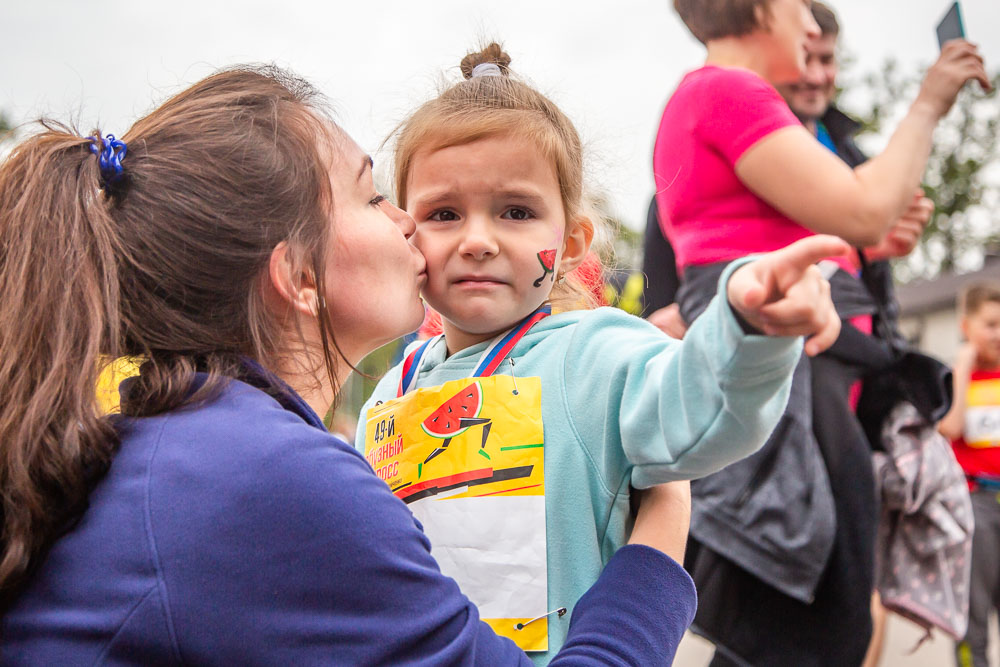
373 275
788 27
492 226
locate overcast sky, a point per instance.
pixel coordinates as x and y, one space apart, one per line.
609 64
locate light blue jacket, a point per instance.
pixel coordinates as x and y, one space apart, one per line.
624 404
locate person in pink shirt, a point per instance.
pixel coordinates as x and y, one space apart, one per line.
783 542
729 154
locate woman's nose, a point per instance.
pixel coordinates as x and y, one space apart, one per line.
402 219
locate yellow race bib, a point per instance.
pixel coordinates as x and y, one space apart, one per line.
468 459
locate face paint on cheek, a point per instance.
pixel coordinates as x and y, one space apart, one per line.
547 258
559 235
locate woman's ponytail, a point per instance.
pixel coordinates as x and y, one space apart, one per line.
59 317
153 247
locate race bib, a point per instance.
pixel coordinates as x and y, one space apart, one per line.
468 459
982 416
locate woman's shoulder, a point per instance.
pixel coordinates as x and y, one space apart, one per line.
241 441
713 74
724 82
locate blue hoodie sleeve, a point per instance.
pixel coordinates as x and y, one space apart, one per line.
675 409
614 623
276 544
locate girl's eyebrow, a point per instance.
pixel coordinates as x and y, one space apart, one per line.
522 195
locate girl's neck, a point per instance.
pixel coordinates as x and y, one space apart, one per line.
459 340
738 53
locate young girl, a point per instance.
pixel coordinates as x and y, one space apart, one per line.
515 437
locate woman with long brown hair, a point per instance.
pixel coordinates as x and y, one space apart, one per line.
234 242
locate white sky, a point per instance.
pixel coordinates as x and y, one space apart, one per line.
609 65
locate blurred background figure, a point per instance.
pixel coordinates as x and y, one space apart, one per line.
790 530
811 99
973 425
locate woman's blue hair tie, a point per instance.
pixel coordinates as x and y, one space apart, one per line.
110 152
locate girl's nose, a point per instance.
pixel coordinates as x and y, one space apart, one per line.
479 240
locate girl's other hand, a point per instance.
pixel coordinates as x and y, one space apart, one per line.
783 293
663 518
958 63
669 321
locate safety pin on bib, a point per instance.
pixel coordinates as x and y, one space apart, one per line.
513 379
561 611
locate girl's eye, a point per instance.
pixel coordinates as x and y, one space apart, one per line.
443 216
376 200
517 213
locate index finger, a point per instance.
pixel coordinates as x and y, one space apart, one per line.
812 249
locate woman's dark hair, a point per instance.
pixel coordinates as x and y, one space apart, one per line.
715 19
169 264
825 19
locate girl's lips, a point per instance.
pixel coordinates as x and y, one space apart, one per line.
477 282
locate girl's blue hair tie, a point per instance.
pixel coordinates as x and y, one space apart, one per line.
110 152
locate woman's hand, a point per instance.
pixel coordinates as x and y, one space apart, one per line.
783 293
905 233
663 518
958 63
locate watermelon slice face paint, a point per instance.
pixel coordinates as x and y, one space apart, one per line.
446 421
547 258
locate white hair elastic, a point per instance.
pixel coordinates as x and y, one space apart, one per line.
486 69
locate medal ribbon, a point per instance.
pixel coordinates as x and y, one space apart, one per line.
489 362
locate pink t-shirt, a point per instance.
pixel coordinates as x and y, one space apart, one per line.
713 117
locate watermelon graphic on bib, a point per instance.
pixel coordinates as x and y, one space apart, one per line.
455 416
547 258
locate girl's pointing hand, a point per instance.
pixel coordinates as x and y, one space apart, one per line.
783 292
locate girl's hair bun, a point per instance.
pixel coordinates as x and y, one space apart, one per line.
492 53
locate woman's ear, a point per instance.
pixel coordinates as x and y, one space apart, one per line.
762 16
293 285
576 244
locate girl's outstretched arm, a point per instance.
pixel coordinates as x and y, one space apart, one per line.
660 410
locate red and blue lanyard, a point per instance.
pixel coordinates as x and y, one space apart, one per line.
490 360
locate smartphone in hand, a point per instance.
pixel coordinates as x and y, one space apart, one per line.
951 26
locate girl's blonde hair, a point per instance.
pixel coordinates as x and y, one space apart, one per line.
486 106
